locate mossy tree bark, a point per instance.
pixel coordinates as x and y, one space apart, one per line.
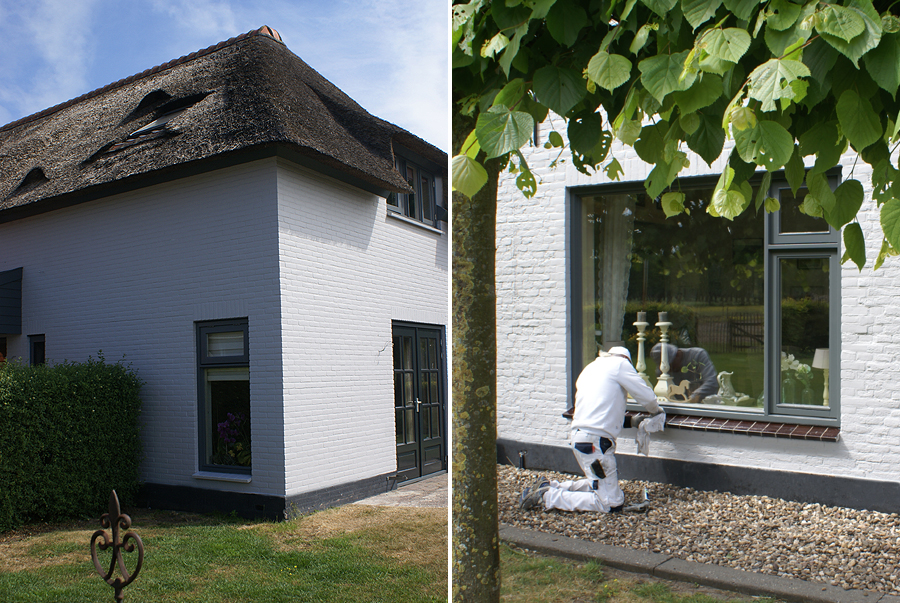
476 550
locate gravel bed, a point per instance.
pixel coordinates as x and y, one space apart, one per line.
834 545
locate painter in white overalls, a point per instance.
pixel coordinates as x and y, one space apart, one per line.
600 393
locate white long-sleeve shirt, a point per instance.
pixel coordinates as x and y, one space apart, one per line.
600 393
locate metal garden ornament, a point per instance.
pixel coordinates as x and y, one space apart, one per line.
117 520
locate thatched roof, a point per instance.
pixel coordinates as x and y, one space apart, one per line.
244 98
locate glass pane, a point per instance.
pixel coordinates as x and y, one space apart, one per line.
804 330
407 353
426 199
225 344
411 197
706 273
792 220
228 417
410 425
408 397
400 428
435 422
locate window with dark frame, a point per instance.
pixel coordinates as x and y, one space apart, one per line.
760 295
223 371
420 204
37 350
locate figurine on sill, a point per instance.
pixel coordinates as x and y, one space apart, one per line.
692 365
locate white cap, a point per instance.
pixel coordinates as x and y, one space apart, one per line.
620 351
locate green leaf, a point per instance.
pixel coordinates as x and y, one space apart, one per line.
614 170
858 120
782 14
640 39
541 8
762 193
824 141
565 20
559 89
794 170
728 203
471 147
883 63
511 94
890 222
771 81
821 190
866 41
704 92
500 130
698 12
772 205
689 123
709 138
585 131
779 42
509 17
468 175
848 198
854 245
672 203
890 23
661 74
886 251
727 44
609 71
555 139
494 45
841 22
660 7
663 175
768 145
525 180
742 9
649 146
629 132
512 50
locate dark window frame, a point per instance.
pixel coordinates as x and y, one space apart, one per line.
814 244
37 350
204 362
411 205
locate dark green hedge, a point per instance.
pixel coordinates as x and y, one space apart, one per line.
69 434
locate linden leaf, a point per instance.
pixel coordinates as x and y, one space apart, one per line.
468 175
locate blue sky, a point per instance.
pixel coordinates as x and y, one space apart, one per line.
390 56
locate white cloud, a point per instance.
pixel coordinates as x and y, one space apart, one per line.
50 45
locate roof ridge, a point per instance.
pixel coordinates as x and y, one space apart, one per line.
265 30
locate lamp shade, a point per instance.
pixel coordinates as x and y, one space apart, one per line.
820 360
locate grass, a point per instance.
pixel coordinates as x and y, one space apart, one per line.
352 553
532 578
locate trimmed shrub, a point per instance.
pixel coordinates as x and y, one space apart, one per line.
69 434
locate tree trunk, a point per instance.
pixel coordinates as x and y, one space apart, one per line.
476 541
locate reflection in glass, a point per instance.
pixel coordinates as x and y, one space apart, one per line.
707 273
804 328
792 220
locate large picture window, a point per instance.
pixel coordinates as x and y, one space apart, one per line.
224 395
752 302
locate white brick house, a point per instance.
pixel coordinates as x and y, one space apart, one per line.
240 232
764 289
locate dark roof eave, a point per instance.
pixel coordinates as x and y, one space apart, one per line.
306 159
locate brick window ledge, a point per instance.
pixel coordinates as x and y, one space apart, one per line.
759 428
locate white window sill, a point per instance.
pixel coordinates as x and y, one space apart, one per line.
236 478
398 216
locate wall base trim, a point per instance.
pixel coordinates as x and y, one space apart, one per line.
257 506
854 493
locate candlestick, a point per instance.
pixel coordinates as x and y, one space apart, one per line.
641 365
662 383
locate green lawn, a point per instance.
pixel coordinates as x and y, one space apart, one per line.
353 553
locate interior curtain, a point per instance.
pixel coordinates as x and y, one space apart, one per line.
614 265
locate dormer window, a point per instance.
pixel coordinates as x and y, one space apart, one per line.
418 205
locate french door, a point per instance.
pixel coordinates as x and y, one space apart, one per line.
419 400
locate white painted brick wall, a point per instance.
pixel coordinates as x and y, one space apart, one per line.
533 322
130 274
347 271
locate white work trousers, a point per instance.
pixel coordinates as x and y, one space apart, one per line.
594 493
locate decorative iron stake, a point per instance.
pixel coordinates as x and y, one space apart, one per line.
116 520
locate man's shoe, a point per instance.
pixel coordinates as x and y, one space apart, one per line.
616 509
533 496
569 414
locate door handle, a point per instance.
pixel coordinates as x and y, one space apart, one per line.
418 403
